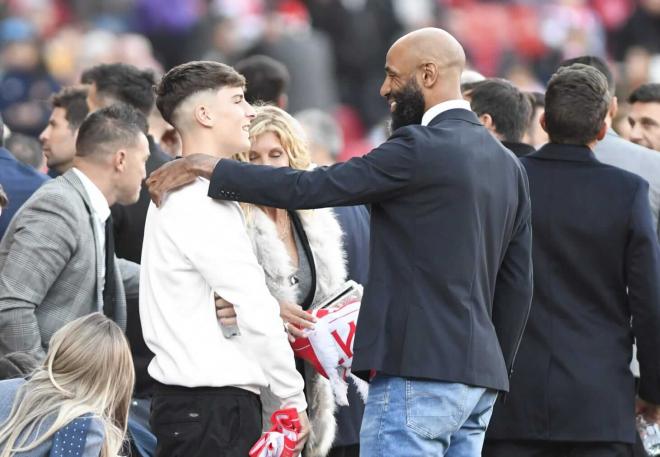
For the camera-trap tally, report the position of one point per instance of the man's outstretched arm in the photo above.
(384, 172)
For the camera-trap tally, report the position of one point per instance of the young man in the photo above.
(58, 139)
(56, 259)
(596, 267)
(207, 400)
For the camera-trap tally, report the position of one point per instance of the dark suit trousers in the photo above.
(204, 421)
(497, 448)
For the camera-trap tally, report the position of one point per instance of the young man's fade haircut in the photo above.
(189, 78)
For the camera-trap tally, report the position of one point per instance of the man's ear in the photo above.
(487, 120)
(542, 121)
(429, 74)
(283, 101)
(119, 160)
(203, 115)
(614, 107)
(602, 131)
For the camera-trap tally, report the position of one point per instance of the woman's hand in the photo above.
(294, 314)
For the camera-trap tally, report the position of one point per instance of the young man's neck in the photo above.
(201, 143)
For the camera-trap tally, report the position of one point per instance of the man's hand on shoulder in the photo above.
(179, 173)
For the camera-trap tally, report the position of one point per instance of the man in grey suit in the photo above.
(614, 150)
(53, 262)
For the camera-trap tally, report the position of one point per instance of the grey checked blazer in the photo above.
(50, 266)
(644, 162)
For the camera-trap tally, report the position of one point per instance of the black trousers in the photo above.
(204, 421)
(496, 448)
(345, 451)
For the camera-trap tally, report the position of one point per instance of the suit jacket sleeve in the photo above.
(130, 277)
(514, 284)
(43, 242)
(643, 276)
(381, 174)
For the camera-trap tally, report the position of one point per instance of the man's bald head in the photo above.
(432, 45)
(422, 69)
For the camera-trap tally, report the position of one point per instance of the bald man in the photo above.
(450, 283)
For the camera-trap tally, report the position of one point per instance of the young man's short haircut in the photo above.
(509, 108)
(189, 78)
(576, 103)
(73, 100)
(266, 79)
(597, 63)
(646, 93)
(123, 83)
(103, 131)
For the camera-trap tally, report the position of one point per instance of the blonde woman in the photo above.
(301, 254)
(88, 373)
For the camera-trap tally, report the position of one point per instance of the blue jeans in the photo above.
(412, 417)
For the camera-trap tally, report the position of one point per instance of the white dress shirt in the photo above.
(101, 212)
(195, 246)
(442, 107)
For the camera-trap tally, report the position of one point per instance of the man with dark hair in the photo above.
(644, 116)
(450, 279)
(535, 135)
(596, 267)
(267, 80)
(614, 150)
(58, 139)
(195, 247)
(57, 260)
(505, 111)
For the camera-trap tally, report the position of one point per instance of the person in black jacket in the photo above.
(504, 110)
(596, 267)
(450, 278)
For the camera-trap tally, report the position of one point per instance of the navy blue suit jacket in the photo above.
(596, 266)
(450, 279)
(19, 182)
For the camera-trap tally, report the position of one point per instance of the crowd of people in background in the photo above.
(554, 168)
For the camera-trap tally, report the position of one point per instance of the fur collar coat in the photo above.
(325, 241)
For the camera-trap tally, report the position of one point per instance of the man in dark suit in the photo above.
(504, 110)
(596, 267)
(450, 277)
(19, 182)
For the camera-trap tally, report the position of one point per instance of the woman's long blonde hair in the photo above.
(272, 119)
(88, 370)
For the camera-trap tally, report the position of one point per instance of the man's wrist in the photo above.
(203, 165)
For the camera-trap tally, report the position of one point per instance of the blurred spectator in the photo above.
(641, 31)
(59, 138)
(644, 116)
(25, 84)
(27, 150)
(361, 32)
(324, 136)
(307, 55)
(267, 80)
(19, 182)
(505, 111)
(536, 135)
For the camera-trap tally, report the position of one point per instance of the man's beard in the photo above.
(409, 108)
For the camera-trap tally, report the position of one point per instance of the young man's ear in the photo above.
(203, 115)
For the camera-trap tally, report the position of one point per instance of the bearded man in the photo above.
(450, 280)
